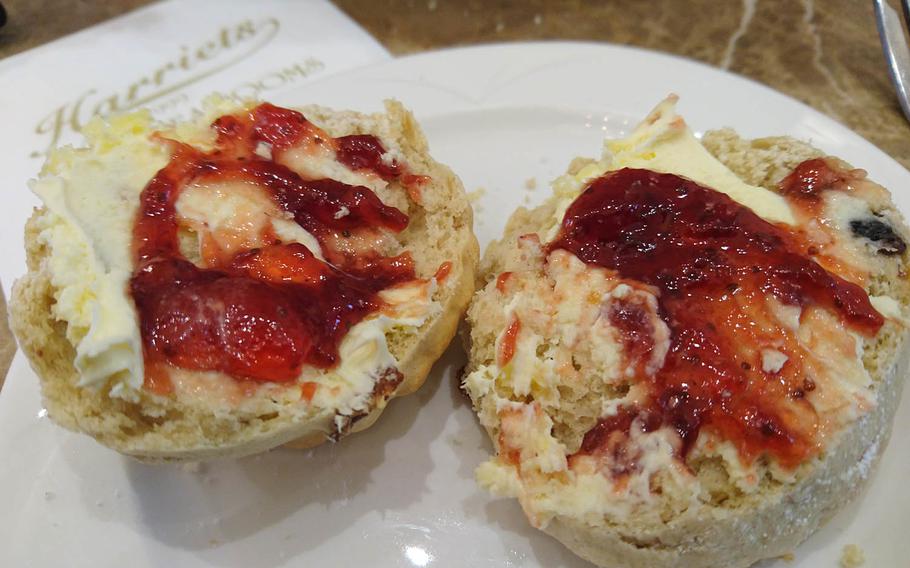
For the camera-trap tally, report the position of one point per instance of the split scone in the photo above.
(691, 354)
(258, 276)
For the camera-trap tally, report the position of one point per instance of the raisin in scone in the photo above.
(691, 354)
(255, 277)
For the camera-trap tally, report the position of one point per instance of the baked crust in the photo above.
(441, 230)
(773, 521)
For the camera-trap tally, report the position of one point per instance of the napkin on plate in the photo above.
(167, 57)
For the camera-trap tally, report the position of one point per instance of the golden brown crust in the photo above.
(183, 433)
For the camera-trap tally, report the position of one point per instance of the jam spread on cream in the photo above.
(364, 152)
(805, 185)
(809, 179)
(630, 317)
(714, 263)
(265, 312)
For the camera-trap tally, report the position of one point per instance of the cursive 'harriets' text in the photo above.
(229, 46)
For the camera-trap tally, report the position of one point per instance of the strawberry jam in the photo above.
(809, 179)
(364, 152)
(635, 330)
(717, 266)
(507, 346)
(262, 313)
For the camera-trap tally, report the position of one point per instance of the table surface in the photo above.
(825, 53)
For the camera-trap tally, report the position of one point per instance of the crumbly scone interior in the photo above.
(568, 369)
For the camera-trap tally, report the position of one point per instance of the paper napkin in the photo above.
(166, 57)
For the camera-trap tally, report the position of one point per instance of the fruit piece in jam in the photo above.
(262, 313)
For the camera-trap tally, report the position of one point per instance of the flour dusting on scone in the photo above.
(665, 352)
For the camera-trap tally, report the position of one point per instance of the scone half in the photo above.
(254, 277)
(691, 355)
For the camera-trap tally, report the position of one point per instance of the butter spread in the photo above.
(663, 142)
(91, 195)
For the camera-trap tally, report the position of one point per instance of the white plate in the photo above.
(402, 493)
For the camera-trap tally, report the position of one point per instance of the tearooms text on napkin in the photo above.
(166, 57)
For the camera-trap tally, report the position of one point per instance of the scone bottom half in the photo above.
(691, 354)
(258, 276)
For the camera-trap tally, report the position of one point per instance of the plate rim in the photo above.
(595, 46)
(498, 48)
